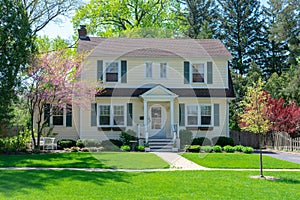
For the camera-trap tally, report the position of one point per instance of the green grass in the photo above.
(121, 160)
(152, 185)
(237, 160)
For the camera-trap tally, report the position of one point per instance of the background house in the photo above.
(154, 87)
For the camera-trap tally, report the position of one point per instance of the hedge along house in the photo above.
(154, 87)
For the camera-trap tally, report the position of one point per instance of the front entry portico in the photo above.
(158, 112)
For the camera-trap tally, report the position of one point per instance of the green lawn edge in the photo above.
(238, 161)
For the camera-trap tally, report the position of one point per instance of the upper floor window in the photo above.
(111, 115)
(198, 73)
(148, 69)
(163, 70)
(112, 71)
(199, 115)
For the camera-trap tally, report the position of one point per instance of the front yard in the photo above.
(238, 160)
(111, 160)
(151, 185)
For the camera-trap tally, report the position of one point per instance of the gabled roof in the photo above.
(154, 47)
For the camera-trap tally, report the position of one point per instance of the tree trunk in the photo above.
(260, 157)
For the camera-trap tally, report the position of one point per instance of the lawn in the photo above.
(120, 160)
(238, 160)
(151, 185)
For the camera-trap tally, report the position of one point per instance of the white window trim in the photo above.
(205, 72)
(111, 122)
(199, 115)
(104, 70)
(159, 71)
(64, 117)
(145, 68)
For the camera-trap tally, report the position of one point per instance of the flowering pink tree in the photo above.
(55, 78)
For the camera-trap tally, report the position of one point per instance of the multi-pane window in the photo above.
(199, 115)
(111, 115)
(104, 115)
(57, 116)
(192, 115)
(198, 73)
(163, 70)
(205, 115)
(119, 116)
(148, 69)
(112, 71)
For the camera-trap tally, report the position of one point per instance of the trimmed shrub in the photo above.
(238, 148)
(222, 141)
(194, 148)
(185, 138)
(206, 149)
(217, 148)
(247, 150)
(125, 148)
(65, 143)
(202, 141)
(127, 136)
(228, 149)
(140, 148)
(79, 143)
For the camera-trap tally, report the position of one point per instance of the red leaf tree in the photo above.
(55, 78)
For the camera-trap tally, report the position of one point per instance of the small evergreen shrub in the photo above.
(222, 141)
(125, 148)
(65, 143)
(206, 149)
(185, 138)
(247, 150)
(228, 149)
(79, 143)
(238, 148)
(127, 136)
(202, 141)
(194, 148)
(140, 148)
(217, 148)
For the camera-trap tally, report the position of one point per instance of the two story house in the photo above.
(154, 87)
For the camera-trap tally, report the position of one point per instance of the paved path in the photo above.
(178, 162)
(288, 156)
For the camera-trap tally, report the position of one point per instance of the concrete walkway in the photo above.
(178, 162)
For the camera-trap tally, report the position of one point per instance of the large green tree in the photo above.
(110, 18)
(200, 16)
(240, 30)
(286, 26)
(40, 13)
(16, 45)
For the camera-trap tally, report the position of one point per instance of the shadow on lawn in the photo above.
(24, 181)
(52, 160)
(288, 180)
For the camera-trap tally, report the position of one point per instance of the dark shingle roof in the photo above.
(154, 47)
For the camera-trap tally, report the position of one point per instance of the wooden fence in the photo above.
(272, 140)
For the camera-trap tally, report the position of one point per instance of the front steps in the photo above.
(161, 145)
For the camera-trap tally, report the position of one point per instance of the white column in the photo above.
(145, 121)
(172, 115)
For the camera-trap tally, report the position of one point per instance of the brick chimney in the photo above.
(82, 32)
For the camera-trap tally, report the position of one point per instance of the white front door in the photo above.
(157, 121)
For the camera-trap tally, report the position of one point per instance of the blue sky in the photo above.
(64, 28)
